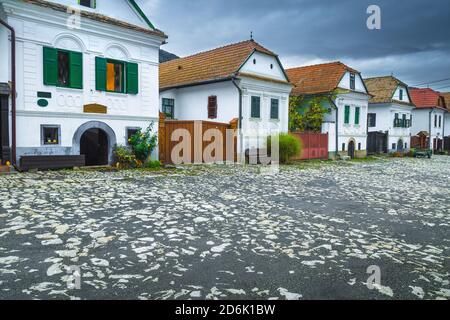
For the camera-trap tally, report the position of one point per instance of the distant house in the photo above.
(446, 96)
(346, 123)
(390, 115)
(87, 78)
(429, 117)
(243, 81)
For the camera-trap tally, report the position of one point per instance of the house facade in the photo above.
(243, 81)
(429, 117)
(390, 115)
(87, 75)
(348, 99)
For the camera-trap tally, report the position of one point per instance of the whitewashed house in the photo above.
(390, 115)
(86, 76)
(348, 99)
(243, 81)
(428, 118)
(446, 96)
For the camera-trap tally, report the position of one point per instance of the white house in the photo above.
(390, 115)
(429, 117)
(86, 75)
(348, 99)
(243, 81)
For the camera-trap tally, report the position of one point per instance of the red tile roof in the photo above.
(216, 64)
(427, 98)
(319, 78)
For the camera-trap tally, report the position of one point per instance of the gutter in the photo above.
(233, 80)
(13, 91)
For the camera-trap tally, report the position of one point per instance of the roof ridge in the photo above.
(317, 64)
(222, 47)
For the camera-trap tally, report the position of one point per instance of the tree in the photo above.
(307, 114)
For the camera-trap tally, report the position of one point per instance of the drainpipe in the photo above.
(13, 90)
(429, 140)
(234, 80)
(336, 128)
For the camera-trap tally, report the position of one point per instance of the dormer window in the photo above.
(352, 81)
(401, 94)
(87, 3)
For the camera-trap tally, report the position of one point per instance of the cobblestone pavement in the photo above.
(229, 233)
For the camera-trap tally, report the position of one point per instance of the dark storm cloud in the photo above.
(413, 43)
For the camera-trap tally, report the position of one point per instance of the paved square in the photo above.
(229, 233)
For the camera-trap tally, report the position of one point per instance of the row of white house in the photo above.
(79, 76)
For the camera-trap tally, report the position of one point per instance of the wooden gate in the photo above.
(447, 143)
(315, 145)
(377, 143)
(170, 132)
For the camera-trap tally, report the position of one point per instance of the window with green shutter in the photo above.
(63, 68)
(274, 108)
(347, 115)
(116, 76)
(256, 107)
(357, 114)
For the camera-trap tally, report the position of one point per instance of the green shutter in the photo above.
(76, 70)
(255, 107)
(132, 78)
(347, 114)
(357, 112)
(100, 74)
(50, 66)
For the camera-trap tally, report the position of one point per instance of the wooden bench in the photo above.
(51, 162)
(423, 154)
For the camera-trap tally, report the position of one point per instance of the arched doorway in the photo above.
(351, 149)
(400, 145)
(94, 146)
(94, 139)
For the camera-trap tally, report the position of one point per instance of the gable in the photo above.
(359, 83)
(264, 65)
(405, 96)
(124, 10)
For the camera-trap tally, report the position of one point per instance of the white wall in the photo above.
(352, 131)
(191, 103)
(263, 65)
(359, 84)
(421, 122)
(447, 125)
(118, 9)
(405, 97)
(385, 121)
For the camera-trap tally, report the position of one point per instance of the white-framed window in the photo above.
(50, 135)
(352, 81)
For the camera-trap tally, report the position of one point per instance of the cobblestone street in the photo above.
(224, 232)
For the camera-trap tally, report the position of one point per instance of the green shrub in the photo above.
(124, 157)
(152, 165)
(143, 143)
(289, 146)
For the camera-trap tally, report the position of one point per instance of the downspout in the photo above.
(233, 80)
(13, 90)
(336, 128)
(429, 139)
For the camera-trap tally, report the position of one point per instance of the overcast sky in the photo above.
(413, 43)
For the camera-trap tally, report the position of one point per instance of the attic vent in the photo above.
(254, 61)
(271, 66)
(180, 67)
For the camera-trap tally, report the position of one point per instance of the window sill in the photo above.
(50, 145)
(274, 120)
(255, 119)
(112, 93)
(59, 88)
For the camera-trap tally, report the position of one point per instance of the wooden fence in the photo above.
(315, 145)
(170, 137)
